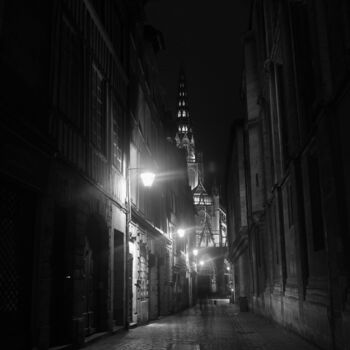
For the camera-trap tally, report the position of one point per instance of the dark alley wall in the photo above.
(295, 89)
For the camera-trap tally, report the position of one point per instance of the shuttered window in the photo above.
(98, 118)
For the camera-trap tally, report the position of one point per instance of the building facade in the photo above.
(288, 196)
(81, 115)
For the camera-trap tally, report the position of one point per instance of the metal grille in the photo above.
(9, 279)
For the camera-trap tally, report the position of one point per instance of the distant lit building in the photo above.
(210, 218)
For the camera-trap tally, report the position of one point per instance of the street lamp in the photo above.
(195, 252)
(147, 178)
(181, 232)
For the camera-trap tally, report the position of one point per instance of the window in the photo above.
(99, 7)
(70, 92)
(179, 113)
(184, 113)
(316, 203)
(117, 31)
(98, 118)
(117, 136)
(306, 56)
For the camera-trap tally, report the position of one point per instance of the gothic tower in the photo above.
(184, 136)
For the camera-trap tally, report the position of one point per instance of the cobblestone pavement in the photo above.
(219, 327)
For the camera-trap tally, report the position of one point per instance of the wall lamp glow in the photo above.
(181, 232)
(195, 252)
(201, 263)
(147, 178)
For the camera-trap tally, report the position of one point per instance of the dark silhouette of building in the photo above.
(287, 188)
(81, 115)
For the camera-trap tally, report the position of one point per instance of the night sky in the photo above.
(206, 37)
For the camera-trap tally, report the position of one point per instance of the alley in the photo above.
(156, 153)
(219, 327)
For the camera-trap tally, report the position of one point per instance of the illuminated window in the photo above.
(179, 113)
(179, 103)
(184, 113)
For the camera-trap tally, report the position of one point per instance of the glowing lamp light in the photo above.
(195, 252)
(181, 232)
(147, 178)
(228, 268)
(201, 263)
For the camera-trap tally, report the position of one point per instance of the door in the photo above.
(153, 286)
(96, 272)
(90, 298)
(118, 305)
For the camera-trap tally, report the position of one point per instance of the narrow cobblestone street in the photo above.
(219, 327)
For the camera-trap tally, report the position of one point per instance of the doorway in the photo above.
(95, 293)
(118, 305)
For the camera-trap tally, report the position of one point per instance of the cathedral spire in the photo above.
(184, 136)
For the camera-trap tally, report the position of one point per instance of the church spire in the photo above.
(184, 136)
